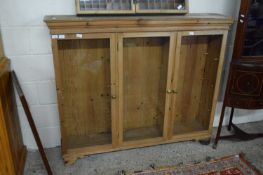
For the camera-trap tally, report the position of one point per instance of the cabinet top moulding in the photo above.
(73, 24)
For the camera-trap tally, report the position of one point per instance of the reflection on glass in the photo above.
(162, 4)
(253, 45)
(105, 5)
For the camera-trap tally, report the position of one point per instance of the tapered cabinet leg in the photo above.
(205, 141)
(220, 126)
(231, 119)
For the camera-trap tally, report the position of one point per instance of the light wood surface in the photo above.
(192, 17)
(86, 86)
(74, 24)
(145, 64)
(127, 82)
(13, 151)
(198, 61)
(6, 161)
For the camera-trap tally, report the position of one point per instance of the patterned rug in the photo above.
(232, 165)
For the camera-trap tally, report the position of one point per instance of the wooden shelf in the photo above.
(142, 133)
(188, 127)
(87, 141)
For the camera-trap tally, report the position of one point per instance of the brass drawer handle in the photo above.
(113, 97)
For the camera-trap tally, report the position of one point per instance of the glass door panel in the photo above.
(253, 43)
(198, 63)
(145, 69)
(161, 6)
(86, 88)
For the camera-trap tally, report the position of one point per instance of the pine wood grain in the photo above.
(154, 72)
(145, 76)
(86, 86)
(198, 61)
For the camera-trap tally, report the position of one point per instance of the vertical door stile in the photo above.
(175, 81)
(114, 87)
(59, 89)
(120, 87)
(169, 96)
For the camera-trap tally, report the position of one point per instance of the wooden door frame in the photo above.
(114, 79)
(224, 34)
(172, 37)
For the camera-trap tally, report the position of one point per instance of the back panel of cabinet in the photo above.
(145, 61)
(198, 66)
(86, 102)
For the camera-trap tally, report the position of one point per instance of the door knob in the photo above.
(169, 91)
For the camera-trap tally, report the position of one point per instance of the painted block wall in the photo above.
(27, 43)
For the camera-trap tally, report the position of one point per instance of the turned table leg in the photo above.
(231, 119)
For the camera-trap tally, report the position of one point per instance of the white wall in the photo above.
(27, 44)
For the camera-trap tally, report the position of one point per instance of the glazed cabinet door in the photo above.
(162, 6)
(86, 84)
(105, 6)
(198, 66)
(145, 73)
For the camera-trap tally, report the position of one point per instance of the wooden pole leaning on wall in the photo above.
(31, 122)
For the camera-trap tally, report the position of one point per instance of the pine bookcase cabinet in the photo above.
(128, 82)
